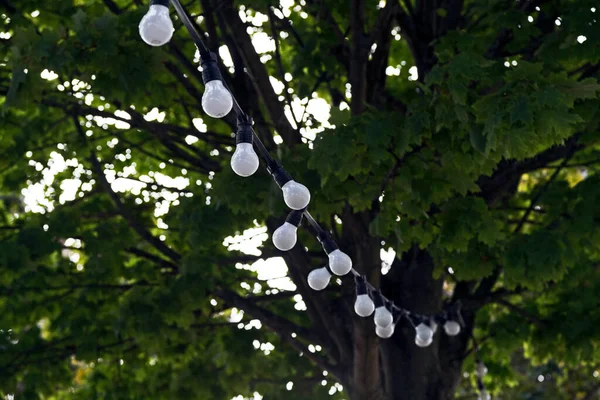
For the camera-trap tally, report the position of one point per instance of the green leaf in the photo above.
(478, 140)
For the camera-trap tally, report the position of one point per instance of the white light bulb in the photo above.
(423, 343)
(295, 195)
(484, 395)
(383, 317)
(385, 332)
(481, 370)
(244, 161)
(319, 278)
(364, 306)
(216, 100)
(452, 328)
(339, 262)
(424, 332)
(156, 28)
(433, 326)
(284, 238)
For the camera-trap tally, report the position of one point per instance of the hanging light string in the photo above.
(156, 29)
(480, 372)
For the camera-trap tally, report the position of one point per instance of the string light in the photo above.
(156, 28)
(452, 328)
(284, 237)
(363, 306)
(383, 316)
(388, 331)
(339, 262)
(319, 278)
(385, 332)
(217, 101)
(481, 371)
(424, 335)
(295, 195)
(244, 161)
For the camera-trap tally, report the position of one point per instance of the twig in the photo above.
(541, 192)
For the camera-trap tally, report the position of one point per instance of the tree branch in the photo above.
(358, 55)
(258, 74)
(156, 259)
(493, 187)
(540, 193)
(278, 324)
(534, 319)
(125, 213)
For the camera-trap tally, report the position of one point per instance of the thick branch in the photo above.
(259, 75)
(541, 192)
(493, 187)
(278, 324)
(358, 53)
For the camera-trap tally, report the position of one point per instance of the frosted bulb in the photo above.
(424, 332)
(295, 195)
(284, 238)
(481, 370)
(339, 262)
(423, 343)
(244, 161)
(156, 28)
(216, 100)
(364, 305)
(319, 278)
(383, 317)
(484, 395)
(452, 328)
(385, 332)
(433, 326)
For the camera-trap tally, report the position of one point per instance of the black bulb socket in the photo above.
(210, 69)
(165, 3)
(378, 300)
(295, 217)
(279, 174)
(480, 385)
(244, 132)
(361, 285)
(328, 244)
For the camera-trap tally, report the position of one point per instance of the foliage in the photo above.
(120, 276)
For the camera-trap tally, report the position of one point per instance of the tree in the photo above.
(462, 139)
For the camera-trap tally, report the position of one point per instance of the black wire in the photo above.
(190, 27)
(270, 161)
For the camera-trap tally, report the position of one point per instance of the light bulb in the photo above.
(433, 326)
(284, 238)
(383, 317)
(216, 100)
(481, 370)
(156, 28)
(452, 328)
(424, 332)
(319, 278)
(484, 395)
(423, 342)
(364, 306)
(295, 195)
(339, 262)
(385, 332)
(244, 161)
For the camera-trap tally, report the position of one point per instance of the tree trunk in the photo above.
(396, 368)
